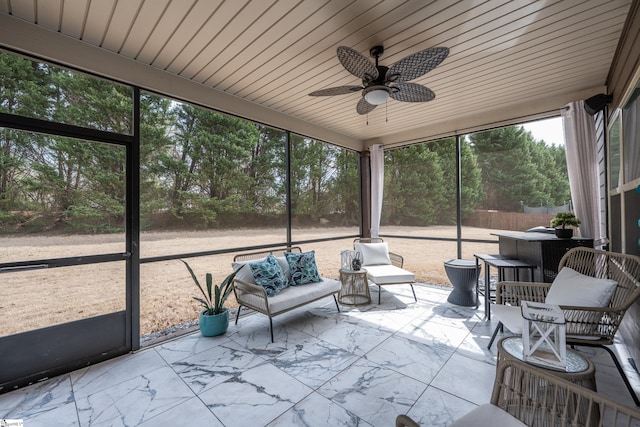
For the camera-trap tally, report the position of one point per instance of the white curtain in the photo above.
(377, 186)
(582, 166)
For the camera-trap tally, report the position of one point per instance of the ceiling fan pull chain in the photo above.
(367, 119)
(386, 112)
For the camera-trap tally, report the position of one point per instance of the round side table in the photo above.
(463, 275)
(580, 370)
(355, 287)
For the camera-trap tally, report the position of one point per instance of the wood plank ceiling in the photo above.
(509, 59)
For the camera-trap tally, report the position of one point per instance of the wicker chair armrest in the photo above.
(249, 288)
(561, 403)
(602, 322)
(251, 295)
(513, 292)
(396, 260)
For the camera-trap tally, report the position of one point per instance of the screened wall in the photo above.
(508, 181)
(94, 172)
(213, 185)
(103, 189)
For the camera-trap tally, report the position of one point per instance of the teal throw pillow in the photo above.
(303, 268)
(269, 275)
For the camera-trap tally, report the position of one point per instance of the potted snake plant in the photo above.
(214, 318)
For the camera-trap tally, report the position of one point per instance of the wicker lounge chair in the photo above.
(390, 273)
(585, 326)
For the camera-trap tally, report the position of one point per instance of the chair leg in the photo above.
(238, 314)
(336, 301)
(271, 328)
(623, 375)
(495, 332)
(412, 290)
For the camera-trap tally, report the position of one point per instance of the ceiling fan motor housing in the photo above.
(380, 80)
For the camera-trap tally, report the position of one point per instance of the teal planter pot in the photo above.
(214, 325)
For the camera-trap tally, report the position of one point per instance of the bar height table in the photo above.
(502, 263)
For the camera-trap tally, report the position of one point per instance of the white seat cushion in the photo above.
(509, 315)
(294, 296)
(488, 415)
(388, 274)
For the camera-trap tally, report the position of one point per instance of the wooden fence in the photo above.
(514, 221)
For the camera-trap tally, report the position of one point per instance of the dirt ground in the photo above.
(47, 296)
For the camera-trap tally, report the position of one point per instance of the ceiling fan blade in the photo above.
(340, 90)
(416, 65)
(412, 92)
(357, 64)
(364, 107)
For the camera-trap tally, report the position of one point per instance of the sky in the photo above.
(549, 130)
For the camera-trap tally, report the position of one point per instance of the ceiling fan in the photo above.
(380, 82)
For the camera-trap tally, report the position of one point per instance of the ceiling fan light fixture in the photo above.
(376, 95)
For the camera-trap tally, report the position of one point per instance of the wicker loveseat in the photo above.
(249, 294)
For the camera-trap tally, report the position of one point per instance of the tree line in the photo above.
(200, 168)
(501, 169)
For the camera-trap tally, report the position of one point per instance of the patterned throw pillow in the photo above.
(269, 275)
(303, 268)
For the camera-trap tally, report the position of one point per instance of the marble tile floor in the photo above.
(360, 367)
